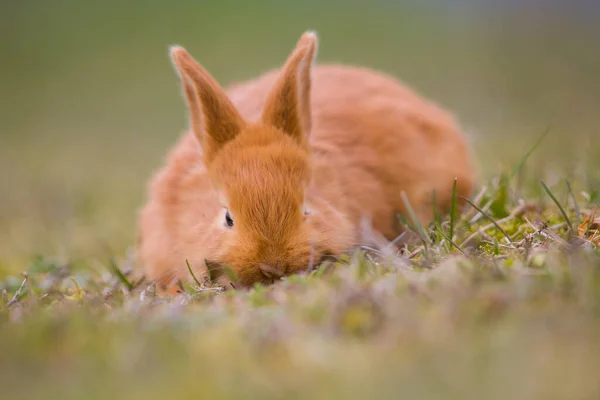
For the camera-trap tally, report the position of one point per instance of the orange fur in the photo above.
(297, 157)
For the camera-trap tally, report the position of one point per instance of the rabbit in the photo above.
(277, 173)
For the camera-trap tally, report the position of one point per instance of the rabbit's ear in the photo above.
(288, 105)
(214, 119)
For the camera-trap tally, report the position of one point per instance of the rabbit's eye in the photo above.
(228, 220)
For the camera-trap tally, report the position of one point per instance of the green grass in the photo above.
(510, 307)
(90, 104)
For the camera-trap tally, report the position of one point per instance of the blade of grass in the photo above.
(192, 272)
(499, 204)
(230, 273)
(209, 270)
(441, 230)
(417, 224)
(523, 160)
(321, 269)
(120, 275)
(489, 218)
(398, 239)
(575, 204)
(453, 210)
(560, 207)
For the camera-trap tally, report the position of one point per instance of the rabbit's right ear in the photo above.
(213, 117)
(288, 105)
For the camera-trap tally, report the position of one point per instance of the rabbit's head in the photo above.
(260, 170)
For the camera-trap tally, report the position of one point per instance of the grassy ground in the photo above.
(502, 299)
(89, 104)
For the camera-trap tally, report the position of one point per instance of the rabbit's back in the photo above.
(372, 137)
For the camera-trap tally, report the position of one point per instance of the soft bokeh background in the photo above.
(89, 103)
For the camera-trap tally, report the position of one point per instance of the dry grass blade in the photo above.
(17, 295)
(560, 207)
(489, 219)
(457, 247)
(481, 231)
(590, 222)
(465, 217)
(485, 207)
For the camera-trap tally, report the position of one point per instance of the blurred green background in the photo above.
(89, 102)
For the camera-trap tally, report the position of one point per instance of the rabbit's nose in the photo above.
(269, 271)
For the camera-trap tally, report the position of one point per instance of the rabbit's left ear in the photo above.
(214, 119)
(288, 105)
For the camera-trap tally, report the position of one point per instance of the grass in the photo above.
(464, 312)
(500, 299)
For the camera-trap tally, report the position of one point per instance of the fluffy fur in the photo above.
(294, 160)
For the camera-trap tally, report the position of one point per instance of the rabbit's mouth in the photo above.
(271, 272)
(221, 273)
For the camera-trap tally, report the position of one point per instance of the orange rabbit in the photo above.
(278, 172)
